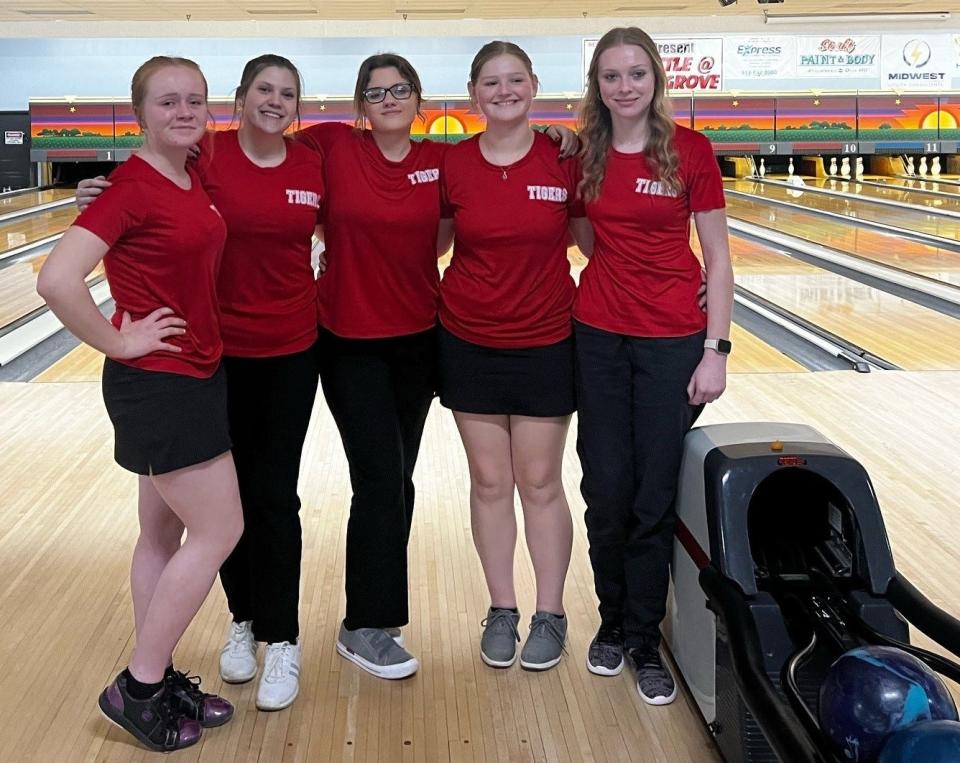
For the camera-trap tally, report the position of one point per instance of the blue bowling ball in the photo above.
(870, 692)
(926, 742)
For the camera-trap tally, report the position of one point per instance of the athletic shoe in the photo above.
(545, 645)
(498, 644)
(238, 658)
(187, 700)
(396, 634)
(374, 651)
(605, 656)
(152, 721)
(280, 682)
(655, 682)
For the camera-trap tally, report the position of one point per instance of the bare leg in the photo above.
(537, 449)
(160, 533)
(486, 440)
(206, 499)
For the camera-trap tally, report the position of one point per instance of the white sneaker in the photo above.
(280, 682)
(238, 658)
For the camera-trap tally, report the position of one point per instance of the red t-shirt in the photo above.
(509, 284)
(165, 245)
(643, 277)
(380, 223)
(266, 287)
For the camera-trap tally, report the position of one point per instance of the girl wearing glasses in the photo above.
(506, 355)
(378, 310)
(268, 190)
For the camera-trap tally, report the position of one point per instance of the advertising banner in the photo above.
(838, 56)
(917, 62)
(692, 63)
(759, 58)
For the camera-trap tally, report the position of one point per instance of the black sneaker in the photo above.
(187, 700)
(605, 656)
(152, 721)
(655, 682)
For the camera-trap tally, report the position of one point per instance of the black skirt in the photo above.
(531, 381)
(162, 421)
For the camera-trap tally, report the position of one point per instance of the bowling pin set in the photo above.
(844, 169)
(933, 169)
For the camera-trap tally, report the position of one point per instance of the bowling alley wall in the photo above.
(749, 93)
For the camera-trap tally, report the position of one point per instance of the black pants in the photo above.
(379, 392)
(269, 401)
(632, 417)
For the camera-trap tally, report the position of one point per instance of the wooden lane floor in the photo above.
(849, 207)
(885, 248)
(33, 199)
(917, 184)
(913, 196)
(18, 288)
(25, 230)
(70, 522)
(81, 364)
(909, 335)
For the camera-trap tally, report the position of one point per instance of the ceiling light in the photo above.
(856, 18)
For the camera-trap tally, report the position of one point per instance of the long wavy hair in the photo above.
(596, 129)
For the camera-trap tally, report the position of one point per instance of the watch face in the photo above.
(724, 346)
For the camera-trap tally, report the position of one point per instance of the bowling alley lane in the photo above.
(18, 288)
(29, 199)
(884, 248)
(908, 219)
(938, 186)
(24, 230)
(911, 336)
(914, 196)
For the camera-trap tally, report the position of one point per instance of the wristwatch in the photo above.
(723, 346)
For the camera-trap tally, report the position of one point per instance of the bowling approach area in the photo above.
(65, 602)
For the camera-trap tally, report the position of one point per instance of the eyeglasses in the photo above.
(401, 91)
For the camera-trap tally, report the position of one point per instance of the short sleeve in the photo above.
(575, 205)
(704, 184)
(118, 210)
(321, 137)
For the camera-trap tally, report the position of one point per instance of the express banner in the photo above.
(838, 56)
(759, 57)
(917, 62)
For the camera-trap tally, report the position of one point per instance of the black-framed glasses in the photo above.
(401, 91)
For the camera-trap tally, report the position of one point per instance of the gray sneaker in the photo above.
(544, 645)
(498, 645)
(374, 651)
(605, 656)
(655, 683)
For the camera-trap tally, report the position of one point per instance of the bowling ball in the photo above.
(927, 742)
(870, 692)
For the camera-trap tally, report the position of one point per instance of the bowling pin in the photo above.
(845, 168)
(923, 166)
(910, 167)
(790, 168)
(763, 167)
(833, 165)
(858, 171)
(935, 167)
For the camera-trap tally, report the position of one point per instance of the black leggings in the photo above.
(379, 392)
(269, 401)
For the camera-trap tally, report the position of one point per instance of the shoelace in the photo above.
(238, 639)
(190, 685)
(504, 616)
(552, 629)
(275, 667)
